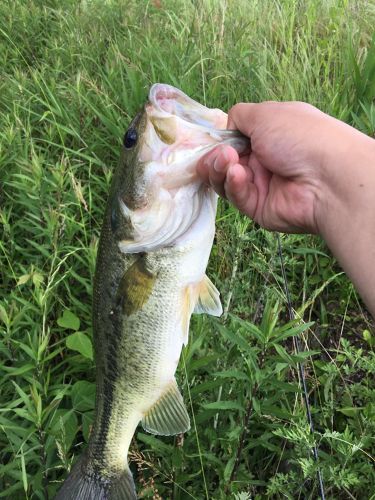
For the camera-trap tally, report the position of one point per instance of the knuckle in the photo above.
(238, 109)
(303, 106)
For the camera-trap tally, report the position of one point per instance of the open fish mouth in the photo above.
(179, 131)
(167, 99)
(183, 130)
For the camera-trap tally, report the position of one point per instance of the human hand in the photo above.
(306, 172)
(283, 180)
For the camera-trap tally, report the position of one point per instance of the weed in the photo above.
(73, 75)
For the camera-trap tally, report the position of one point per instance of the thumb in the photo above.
(244, 117)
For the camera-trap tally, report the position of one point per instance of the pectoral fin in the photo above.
(199, 298)
(168, 416)
(135, 287)
(208, 299)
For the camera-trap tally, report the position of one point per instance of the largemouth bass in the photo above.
(150, 277)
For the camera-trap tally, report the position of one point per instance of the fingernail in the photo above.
(209, 160)
(221, 161)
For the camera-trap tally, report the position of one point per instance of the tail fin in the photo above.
(81, 485)
(123, 488)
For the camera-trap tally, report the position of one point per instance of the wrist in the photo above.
(346, 211)
(347, 180)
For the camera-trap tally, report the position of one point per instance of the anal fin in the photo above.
(168, 416)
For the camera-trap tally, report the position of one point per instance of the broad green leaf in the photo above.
(205, 386)
(223, 405)
(8, 492)
(23, 413)
(285, 356)
(250, 327)
(291, 332)
(12, 371)
(25, 398)
(23, 279)
(87, 420)
(283, 386)
(80, 342)
(275, 411)
(228, 468)
(83, 395)
(231, 374)
(280, 367)
(154, 443)
(27, 349)
(307, 251)
(256, 405)
(69, 320)
(37, 279)
(351, 411)
(368, 337)
(269, 319)
(3, 315)
(64, 425)
(177, 457)
(236, 338)
(203, 361)
(23, 469)
(302, 355)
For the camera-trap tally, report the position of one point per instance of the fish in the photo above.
(154, 246)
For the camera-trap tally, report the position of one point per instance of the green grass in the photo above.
(72, 76)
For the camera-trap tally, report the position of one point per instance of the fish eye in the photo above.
(130, 138)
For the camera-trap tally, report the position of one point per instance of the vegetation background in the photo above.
(73, 74)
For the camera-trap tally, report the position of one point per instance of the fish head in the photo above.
(157, 193)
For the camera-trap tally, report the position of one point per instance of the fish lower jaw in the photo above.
(164, 222)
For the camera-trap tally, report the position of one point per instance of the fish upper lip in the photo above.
(169, 92)
(203, 117)
(185, 107)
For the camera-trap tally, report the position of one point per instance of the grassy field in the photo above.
(73, 74)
